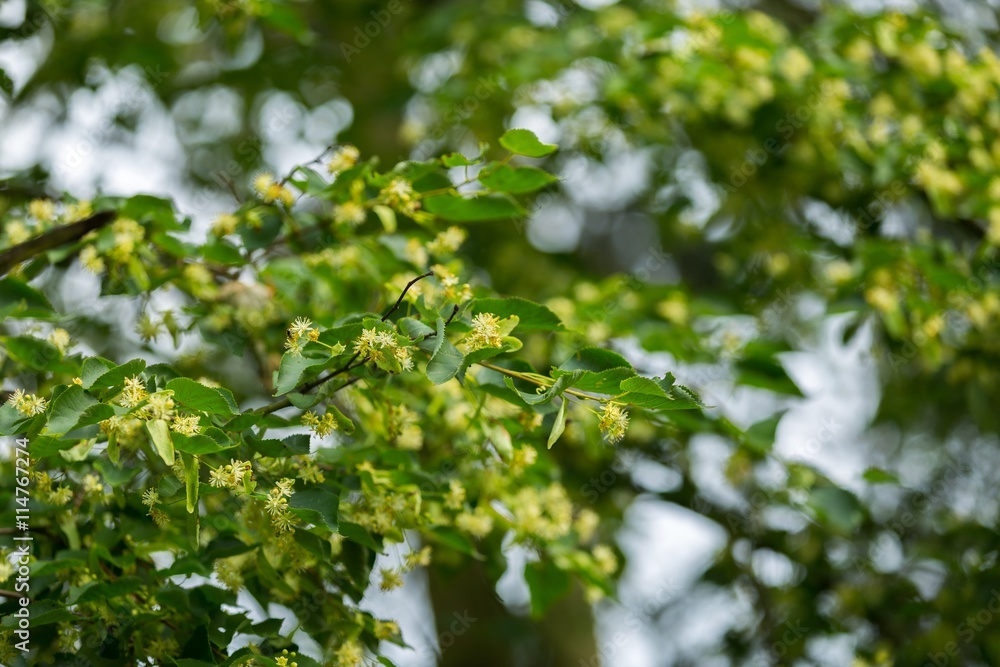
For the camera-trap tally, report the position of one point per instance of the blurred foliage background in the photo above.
(793, 206)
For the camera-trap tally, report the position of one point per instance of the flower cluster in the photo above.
(270, 190)
(343, 159)
(230, 475)
(485, 332)
(225, 224)
(128, 234)
(384, 349)
(28, 405)
(321, 426)
(276, 506)
(134, 392)
(403, 428)
(349, 214)
(478, 522)
(447, 241)
(299, 333)
(614, 422)
(454, 290)
(399, 195)
(150, 498)
(544, 513)
(186, 425)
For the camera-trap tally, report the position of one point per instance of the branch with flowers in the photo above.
(299, 474)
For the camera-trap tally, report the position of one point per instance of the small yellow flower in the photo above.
(351, 214)
(343, 159)
(186, 425)
(605, 558)
(17, 232)
(447, 241)
(478, 522)
(321, 426)
(225, 224)
(150, 497)
(455, 498)
(485, 332)
(43, 210)
(391, 579)
(28, 405)
(614, 422)
(134, 392)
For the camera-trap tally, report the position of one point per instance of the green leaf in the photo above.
(116, 376)
(35, 353)
(320, 500)
(456, 208)
(70, 407)
(388, 218)
(159, 433)
(643, 392)
(196, 396)
(191, 465)
(92, 369)
(18, 299)
(760, 436)
(557, 389)
(446, 359)
(560, 423)
(201, 443)
(837, 508)
(291, 369)
(525, 142)
(116, 476)
(457, 160)
(879, 476)
(516, 180)
(532, 316)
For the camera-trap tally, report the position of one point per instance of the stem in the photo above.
(53, 239)
(350, 365)
(534, 379)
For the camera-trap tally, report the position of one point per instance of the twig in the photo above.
(349, 366)
(403, 294)
(11, 594)
(53, 239)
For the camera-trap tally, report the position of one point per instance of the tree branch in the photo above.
(349, 366)
(53, 239)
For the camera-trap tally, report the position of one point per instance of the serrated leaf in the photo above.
(67, 410)
(446, 359)
(320, 500)
(196, 396)
(116, 376)
(292, 368)
(531, 316)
